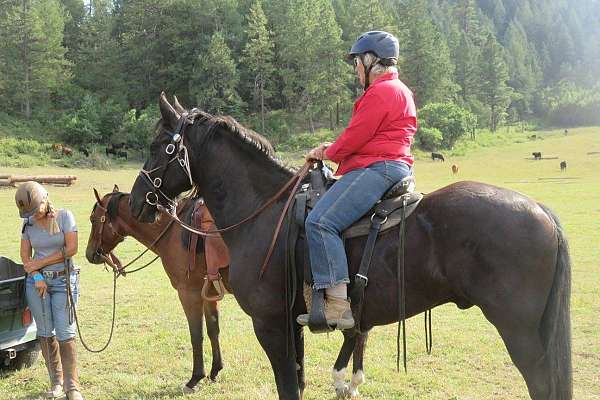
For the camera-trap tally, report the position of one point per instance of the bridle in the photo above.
(109, 257)
(178, 152)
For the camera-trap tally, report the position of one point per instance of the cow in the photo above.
(84, 151)
(437, 156)
(57, 147)
(563, 166)
(454, 169)
(110, 150)
(122, 154)
(537, 155)
(67, 151)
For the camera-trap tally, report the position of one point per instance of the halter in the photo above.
(179, 153)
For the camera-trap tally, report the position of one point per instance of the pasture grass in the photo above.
(150, 356)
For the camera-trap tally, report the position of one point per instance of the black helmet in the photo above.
(383, 44)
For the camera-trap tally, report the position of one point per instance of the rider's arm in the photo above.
(362, 127)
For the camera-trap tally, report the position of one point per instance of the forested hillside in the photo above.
(91, 70)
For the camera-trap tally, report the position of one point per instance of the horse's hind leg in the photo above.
(527, 353)
(211, 311)
(358, 374)
(192, 303)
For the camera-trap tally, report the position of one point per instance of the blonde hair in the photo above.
(52, 215)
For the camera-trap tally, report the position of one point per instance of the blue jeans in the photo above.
(50, 313)
(344, 203)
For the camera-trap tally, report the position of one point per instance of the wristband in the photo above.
(38, 277)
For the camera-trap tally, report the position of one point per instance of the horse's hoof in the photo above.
(353, 393)
(188, 390)
(342, 391)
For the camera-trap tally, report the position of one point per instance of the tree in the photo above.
(496, 92)
(217, 78)
(451, 120)
(258, 57)
(426, 59)
(31, 52)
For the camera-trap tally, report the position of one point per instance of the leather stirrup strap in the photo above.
(193, 245)
(317, 322)
(361, 279)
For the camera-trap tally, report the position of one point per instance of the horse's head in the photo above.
(166, 173)
(104, 237)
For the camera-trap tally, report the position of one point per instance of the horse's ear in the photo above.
(168, 113)
(116, 188)
(97, 196)
(178, 107)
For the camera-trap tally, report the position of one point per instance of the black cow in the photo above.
(537, 155)
(84, 151)
(437, 156)
(563, 166)
(110, 150)
(122, 154)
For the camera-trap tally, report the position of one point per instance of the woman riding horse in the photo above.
(373, 153)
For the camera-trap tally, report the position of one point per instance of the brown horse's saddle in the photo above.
(216, 252)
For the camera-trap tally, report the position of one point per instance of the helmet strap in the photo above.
(368, 69)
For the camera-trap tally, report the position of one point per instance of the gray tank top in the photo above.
(43, 243)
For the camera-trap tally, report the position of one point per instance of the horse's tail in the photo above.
(555, 328)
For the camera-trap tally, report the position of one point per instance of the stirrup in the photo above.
(317, 323)
(219, 287)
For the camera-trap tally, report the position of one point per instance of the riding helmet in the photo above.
(383, 44)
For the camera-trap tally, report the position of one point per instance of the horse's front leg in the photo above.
(340, 367)
(211, 311)
(299, 346)
(358, 374)
(271, 334)
(192, 303)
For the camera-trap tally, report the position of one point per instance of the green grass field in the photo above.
(150, 357)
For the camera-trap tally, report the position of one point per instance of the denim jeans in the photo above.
(343, 204)
(50, 313)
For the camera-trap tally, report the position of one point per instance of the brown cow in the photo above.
(455, 169)
(67, 151)
(57, 147)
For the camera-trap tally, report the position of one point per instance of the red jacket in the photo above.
(382, 127)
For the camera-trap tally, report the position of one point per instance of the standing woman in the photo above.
(373, 153)
(49, 235)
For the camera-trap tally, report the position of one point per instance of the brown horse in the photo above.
(468, 243)
(118, 223)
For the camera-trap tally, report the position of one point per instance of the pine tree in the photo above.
(31, 52)
(496, 92)
(216, 79)
(311, 52)
(426, 58)
(258, 56)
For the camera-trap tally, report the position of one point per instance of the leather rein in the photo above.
(178, 152)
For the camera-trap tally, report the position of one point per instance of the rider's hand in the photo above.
(41, 288)
(318, 153)
(31, 266)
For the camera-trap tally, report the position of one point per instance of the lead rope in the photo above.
(73, 310)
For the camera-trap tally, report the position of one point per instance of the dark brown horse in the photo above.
(171, 247)
(468, 243)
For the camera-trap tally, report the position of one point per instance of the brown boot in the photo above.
(337, 313)
(68, 355)
(50, 352)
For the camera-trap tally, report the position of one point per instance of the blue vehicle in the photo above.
(18, 342)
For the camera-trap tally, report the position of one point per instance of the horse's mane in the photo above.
(251, 139)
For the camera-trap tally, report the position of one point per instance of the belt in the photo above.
(55, 274)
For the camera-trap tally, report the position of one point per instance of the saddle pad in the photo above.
(362, 226)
